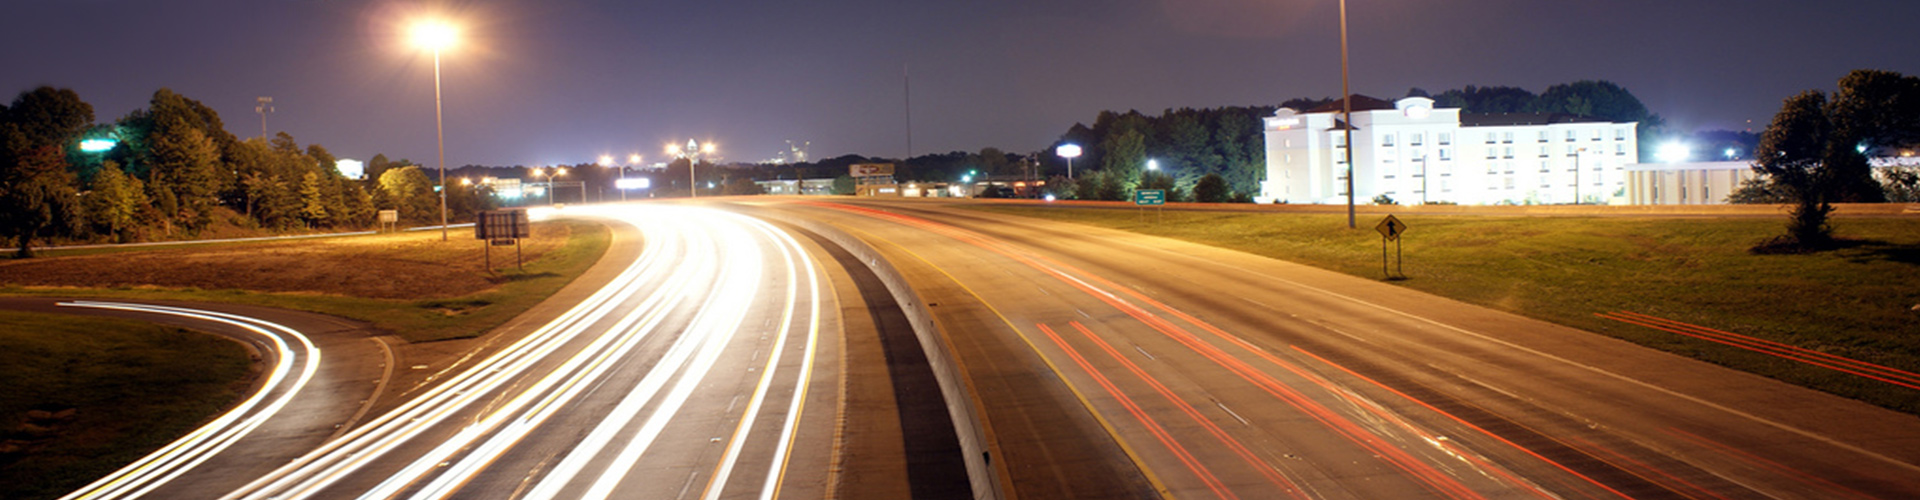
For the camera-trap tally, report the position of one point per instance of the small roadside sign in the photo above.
(1391, 228)
(1150, 197)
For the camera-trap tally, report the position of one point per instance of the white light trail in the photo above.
(182, 455)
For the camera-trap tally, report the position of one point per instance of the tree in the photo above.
(1211, 188)
(114, 201)
(36, 195)
(1125, 155)
(409, 191)
(185, 164)
(1793, 153)
(844, 185)
(313, 201)
(38, 132)
(1874, 112)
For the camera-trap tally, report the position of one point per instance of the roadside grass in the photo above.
(410, 284)
(1856, 301)
(131, 387)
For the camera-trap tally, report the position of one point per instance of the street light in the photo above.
(538, 173)
(1153, 165)
(437, 36)
(1068, 151)
(692, 153)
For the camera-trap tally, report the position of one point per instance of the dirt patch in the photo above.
(391, 266)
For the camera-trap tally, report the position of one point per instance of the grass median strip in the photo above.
(87, 395)
(1856, 302)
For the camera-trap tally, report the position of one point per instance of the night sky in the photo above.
(564, 81)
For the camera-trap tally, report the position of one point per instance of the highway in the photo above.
(693, 374)
(1109, 365)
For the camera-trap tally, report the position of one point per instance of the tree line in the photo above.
(1818, 151)
(172, 171)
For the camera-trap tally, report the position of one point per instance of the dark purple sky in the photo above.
(564, 81)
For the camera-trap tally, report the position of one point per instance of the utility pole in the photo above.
(1346, 107)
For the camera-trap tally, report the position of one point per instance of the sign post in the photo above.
(1155, 197)
(389, 220)
(1390, 229)
(501, 228)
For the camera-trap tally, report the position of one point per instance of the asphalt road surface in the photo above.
(1109, 364)
(694, 374)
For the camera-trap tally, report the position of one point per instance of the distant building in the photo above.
(1709, 183)
(1689, 183)
(810, 187)
(1415, 153)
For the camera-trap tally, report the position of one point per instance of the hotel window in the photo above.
(1570, 151)
(1446, 155)
(1596, 134)
(1619, 134)
(1507, 153)
(1620, 149)
(1492, 137)
(1545, 151)
(1493, 152)
(1286, 143)
(1507, 138)
(1543, 167)
(1446, 138)
(1543, 136)
(1386, 140)
(1415, 139)
(1340, 140)
(1569, 135)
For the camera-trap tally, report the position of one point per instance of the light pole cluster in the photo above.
(692, 153)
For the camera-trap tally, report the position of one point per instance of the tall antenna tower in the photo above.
(264, 107)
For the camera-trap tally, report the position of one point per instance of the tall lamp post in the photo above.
(437, 36)
(692, 153)
(1346, 108)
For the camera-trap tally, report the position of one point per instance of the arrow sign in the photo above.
(1391, 228)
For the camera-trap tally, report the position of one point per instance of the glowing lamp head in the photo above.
(96, 145)
(1674, 152)
(606, 160)
(1153, 164)
(435, 35)
(706, 148)
(1067, 151)
(633, 158)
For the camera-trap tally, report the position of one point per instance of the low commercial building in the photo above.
(1691, 183)
(1414, 153)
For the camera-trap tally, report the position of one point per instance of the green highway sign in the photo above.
(1150, 197)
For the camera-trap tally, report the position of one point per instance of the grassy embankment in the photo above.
(134, 386)
(1855, 302)
(411, 284)
(105, 391)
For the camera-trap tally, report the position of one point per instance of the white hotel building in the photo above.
(1415, 153)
